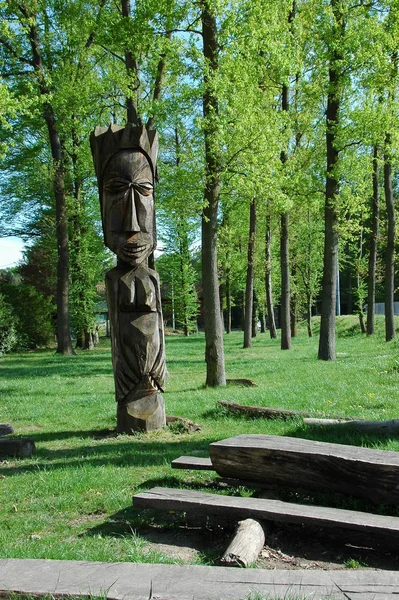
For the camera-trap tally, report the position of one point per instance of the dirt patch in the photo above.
(287, 547)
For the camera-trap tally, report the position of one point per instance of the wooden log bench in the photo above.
(306, 464)
(6, 429)
(195, 463)
(202, 503)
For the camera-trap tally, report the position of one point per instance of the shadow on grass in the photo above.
(123, 453)
(334, 434)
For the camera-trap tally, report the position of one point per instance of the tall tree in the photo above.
(214, 351)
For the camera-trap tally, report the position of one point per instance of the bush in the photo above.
(8, 336)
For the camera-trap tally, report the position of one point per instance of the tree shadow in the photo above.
(123, 452)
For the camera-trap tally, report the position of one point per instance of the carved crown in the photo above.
(105, 142)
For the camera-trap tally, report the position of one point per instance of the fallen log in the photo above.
(6, 429)
(186, 424)
(236, 507)
(17, 447)
(260, 411)
(310, 465)
(246, 544)
(378, 427)
(243, 382)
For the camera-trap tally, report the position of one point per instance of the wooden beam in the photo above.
(260, 411)
(306, 464)
(17, 447)
(202, 503)
(196, 463)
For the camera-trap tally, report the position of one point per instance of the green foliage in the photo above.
(8, 336)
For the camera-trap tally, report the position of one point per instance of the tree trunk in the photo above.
(228, 301)
(214, 352)
(132, 74)
(285, 301)
(268, 279)
(262, 319)
(64, 342)
(390, 251)
(88, 344)
(285, 285)
(294, 308)
(309, 315)
(249, 288)
(329, 282)
(373, 246)
(255, 315)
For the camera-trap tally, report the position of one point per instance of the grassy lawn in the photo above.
(72, 500)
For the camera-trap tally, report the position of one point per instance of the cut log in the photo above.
(6, 429)
(201, 503)
(246, 544)
(378, 427)
(299, 463)
(260, 411)
(187, 425)
(243, 382)
(195, 463)
(17, 447)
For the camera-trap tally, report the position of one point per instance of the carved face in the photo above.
(128, 206)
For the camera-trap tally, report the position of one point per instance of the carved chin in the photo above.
(134, 254)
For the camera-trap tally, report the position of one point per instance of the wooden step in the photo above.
(203, 503)
(306, 464)
(193, 462)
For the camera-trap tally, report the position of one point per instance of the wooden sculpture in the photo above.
(125, 163)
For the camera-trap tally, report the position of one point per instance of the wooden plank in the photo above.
(195, 463)
(260, 411)
(364, 472)
(17, 447)
(135, 581)
(269, 510)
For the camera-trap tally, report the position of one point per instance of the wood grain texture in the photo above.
(260, 411)
(269, 510)
(134, 581)
(196, 463)
(246, 545)
(295, 462)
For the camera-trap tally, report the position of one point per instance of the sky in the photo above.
(10, 251)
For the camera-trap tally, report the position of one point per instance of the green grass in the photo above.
(72, 500)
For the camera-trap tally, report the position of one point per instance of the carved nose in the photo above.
(131, 223)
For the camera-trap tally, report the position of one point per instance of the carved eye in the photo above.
(144, 188)
(116, 185)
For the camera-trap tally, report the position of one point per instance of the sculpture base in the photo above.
(126, 423)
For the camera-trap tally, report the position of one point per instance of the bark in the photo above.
(375, 219)
(330, 259)
(255, 316)
(214, 352)
(268, 280)
(309, 315)
(249, 288)
(390, 251)
(158, 85)
(262, 320)
(64, 342)
(285, 285)
(294, 309)
(360, 304)
(228, 300)
(246, 545)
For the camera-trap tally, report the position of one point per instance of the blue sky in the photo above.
(10, 251)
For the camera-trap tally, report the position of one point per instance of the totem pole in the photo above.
(125, 162)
